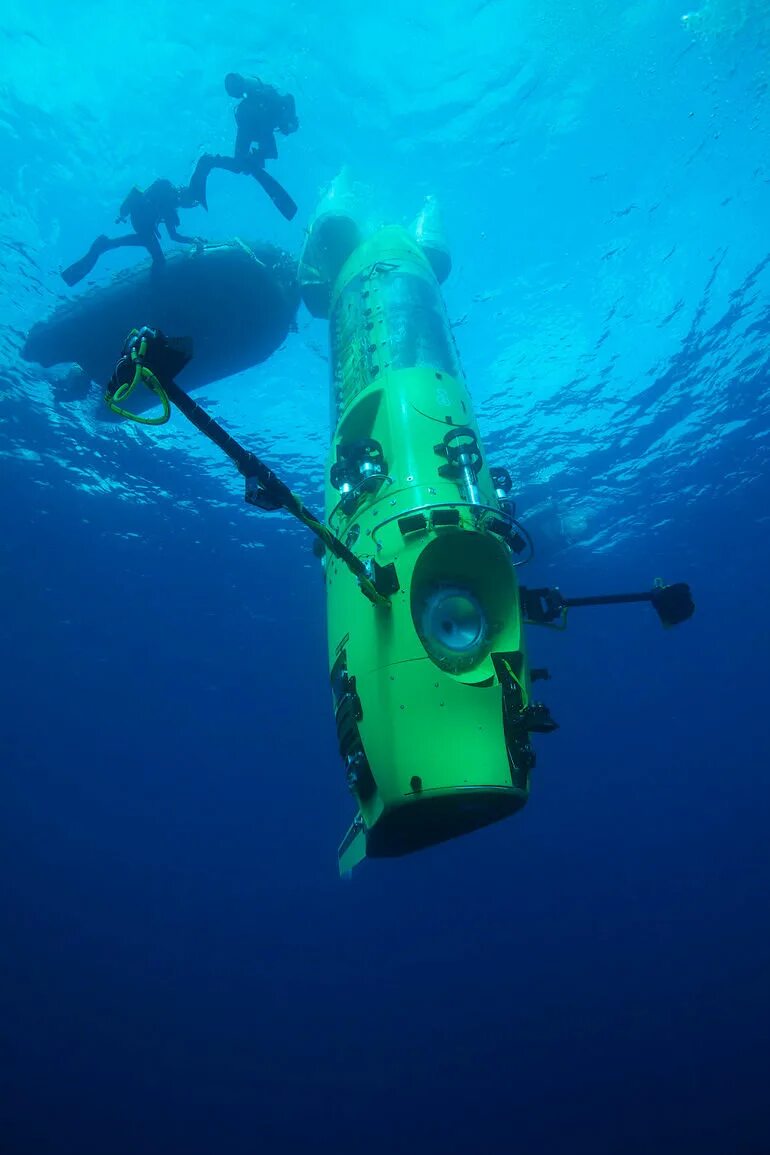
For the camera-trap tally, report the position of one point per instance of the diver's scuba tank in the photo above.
(431, 693)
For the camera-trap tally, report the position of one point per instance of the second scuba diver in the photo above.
(147, 211)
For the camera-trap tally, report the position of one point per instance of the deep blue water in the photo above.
(181, 968)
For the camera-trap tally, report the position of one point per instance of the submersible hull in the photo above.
(431, 692)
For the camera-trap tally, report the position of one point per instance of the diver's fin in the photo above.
(197, 185)
(353, 847)
(277, 193)
(75, 272)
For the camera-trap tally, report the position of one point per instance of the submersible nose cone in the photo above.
(453, 623)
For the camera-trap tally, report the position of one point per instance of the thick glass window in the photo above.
(396, 320)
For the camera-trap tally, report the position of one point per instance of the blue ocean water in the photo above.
(182, 970)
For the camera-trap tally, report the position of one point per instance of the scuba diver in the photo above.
(147, 211)
(262, 112)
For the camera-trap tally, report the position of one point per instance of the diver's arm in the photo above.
(180, 238)
(171, 221)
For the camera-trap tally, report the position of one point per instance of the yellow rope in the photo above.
(141, 373)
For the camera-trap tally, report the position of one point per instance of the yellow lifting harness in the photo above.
(147, 377)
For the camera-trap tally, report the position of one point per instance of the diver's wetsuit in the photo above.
(261, 113)
(146, 211)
